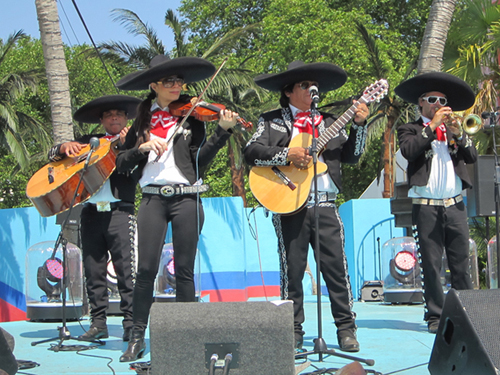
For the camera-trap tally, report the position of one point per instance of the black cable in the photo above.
(95, 47)
(69, 22)
(213, 360)
(227, 363)
(100, 357)
(142, 368)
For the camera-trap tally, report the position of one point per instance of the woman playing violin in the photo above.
(166, 159)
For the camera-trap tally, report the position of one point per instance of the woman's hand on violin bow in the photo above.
(157, 145)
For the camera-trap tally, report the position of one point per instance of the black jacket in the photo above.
(415, 144)
(269, 144)
(189, 147)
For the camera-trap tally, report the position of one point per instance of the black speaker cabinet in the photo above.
(8, 362)
(467, 341)
(481, 198)
(258, 335)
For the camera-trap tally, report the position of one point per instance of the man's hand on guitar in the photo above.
(123, 134)
(299, 156)
(71, 148)
(361, 113)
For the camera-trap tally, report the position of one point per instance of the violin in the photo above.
(203, 112)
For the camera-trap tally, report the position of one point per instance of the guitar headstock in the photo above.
(375, 91)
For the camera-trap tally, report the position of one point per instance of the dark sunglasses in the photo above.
(170, 82)
(306, 84)
(434, 99)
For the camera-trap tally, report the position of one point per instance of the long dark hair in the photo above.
(143, 120)
(285, 100)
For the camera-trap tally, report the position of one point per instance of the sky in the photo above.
(21, 14)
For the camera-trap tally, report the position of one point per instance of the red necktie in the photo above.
(304, 124)
(109, 137)
(161, 121)
(440, 132)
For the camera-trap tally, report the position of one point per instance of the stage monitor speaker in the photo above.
(481, 197)
(258, 335)
(8, 362)
(467, 338)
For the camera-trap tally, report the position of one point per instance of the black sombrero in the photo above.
(459, 94)
(192, 69)
(329, 76)
(92, 111)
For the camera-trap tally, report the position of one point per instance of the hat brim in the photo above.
(459, 94)
(92, 111)
(329, 77)
(192, 69)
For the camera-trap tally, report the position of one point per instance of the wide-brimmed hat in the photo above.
(192, 69)
(459, 94)
(329, 76)
(92, 111)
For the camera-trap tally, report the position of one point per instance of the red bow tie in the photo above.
(440, 132)
(161, 121)
(304, 124)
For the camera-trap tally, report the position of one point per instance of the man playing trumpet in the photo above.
(437, 154)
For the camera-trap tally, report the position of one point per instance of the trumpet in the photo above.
(469, 124)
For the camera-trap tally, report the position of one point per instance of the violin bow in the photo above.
(198, 100)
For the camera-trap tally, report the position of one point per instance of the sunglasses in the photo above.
(170, 82)
(306, 84)
(434, 99)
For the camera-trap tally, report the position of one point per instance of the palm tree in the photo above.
(230, 87)
(56, 70)
(15, 126)
(436, 32)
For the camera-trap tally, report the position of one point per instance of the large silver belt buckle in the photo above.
(103, 206)
(449, 202)
(167, 191)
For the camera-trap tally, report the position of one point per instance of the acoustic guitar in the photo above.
(285, 189)
(51, 189)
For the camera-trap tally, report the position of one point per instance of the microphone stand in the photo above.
(320, 346)
(493, 124)
(64, 333)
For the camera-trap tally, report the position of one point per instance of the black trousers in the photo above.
(437, 228)
(112, 231)
(155, 212)
(295, 233)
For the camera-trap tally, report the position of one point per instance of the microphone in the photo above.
(313, 91)
(94, 143)
(486, 115)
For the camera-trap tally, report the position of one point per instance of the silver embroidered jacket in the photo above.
(269, 144)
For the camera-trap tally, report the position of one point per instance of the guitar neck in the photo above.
(335, 128)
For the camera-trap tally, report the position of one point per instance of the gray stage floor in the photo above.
(394, 336)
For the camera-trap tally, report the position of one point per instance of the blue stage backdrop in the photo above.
(237, 250)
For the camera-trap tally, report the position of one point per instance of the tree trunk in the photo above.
(56, 70)
(389, 152)
(435, 35)
(237, 177)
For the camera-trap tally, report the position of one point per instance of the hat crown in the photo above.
(295, 64)
(158, 59)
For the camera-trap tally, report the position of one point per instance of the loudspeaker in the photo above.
(8, 362)
(467, 338)
(258, 335)
(481, 197)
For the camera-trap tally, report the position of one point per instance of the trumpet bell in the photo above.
(471, 124)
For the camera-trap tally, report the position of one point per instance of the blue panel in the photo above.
(368, 225)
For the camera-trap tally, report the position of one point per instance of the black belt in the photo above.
(112, 206)
(173, 190)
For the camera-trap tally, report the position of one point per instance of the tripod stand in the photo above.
(64, 333)
(320, 346)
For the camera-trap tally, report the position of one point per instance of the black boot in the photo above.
(136, 346)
